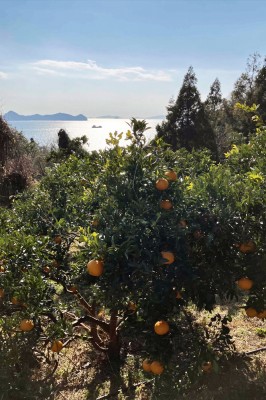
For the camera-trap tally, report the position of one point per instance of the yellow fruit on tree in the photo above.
(26, 325)
(146, 365)
(206, 366)
(57, 346)
(166, 204)
(168, 256)
(245, 283)
(161, 327)
(247, 247)
(251, 312)
(95, 267)
(157, 368)
(171, 175)
(162, 184)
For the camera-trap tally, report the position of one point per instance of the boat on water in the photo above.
(95, 126)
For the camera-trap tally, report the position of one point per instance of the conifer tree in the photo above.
(260, 91)
(244, 92)
(187, 124)
(214, 108)
(214, 98)
(244, 89)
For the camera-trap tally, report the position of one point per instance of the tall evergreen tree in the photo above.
(186, 123)
(244, 89)
(214, 99)
(260, 91)
(214, 109)
(244, 92)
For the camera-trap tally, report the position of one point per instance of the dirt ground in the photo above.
(81, 374)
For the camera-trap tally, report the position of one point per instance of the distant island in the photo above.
(13, 116)
(109, 117)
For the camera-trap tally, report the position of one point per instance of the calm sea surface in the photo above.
(45, 132)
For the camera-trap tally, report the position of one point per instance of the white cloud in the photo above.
(91, 70)
(3, 75)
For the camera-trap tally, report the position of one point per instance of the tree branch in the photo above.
(255, 351)
(104, 325)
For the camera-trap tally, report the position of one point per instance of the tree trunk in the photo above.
(114, 345)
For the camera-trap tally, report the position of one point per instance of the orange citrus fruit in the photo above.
(57, 346)
(251, 312)
(146, 365)
(245, 283)
(206, 366)
(166, 204)
(2, 293)
(132, 306)
(161, 327)
(162, 184)
(57, 239)
(15, 301)
(47, 269)
(178, 295)
(157, 368)
(26, 325)
(247, 247)
(171, 175)
(2, 269)
(95, 267)
(262, 314)
(169, 256)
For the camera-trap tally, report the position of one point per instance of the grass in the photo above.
(261, 332)
(83, 374)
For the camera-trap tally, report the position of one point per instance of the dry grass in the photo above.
(84, 375)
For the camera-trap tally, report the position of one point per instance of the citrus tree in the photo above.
(121, 241)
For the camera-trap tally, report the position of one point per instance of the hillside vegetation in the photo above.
(141, 255)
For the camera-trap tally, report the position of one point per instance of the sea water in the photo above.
(45, 132)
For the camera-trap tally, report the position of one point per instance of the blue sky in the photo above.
(121, 57)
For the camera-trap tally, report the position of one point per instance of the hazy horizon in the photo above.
(115, 116)
(125, 58)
